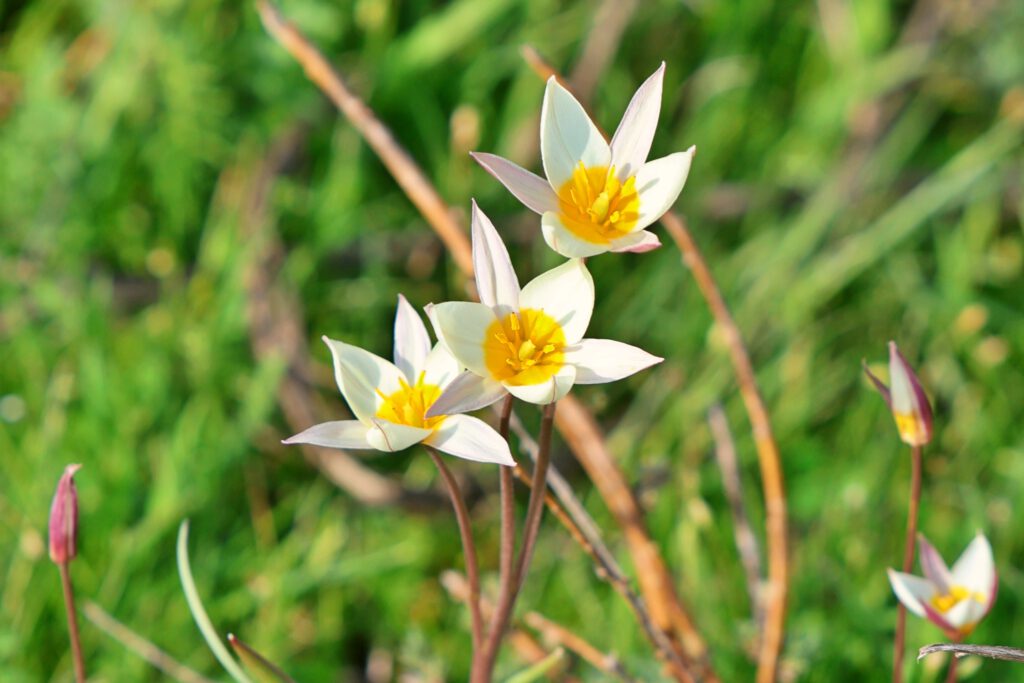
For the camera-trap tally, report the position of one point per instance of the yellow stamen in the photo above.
(524, 348)
(407, 405)
(596, 207)
(911, 428)
(944, 603)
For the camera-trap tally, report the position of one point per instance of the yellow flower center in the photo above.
(911, 428)
(524, 348)
(407, 405)
(596, 207)
(944, 603)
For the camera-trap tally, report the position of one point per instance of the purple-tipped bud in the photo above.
(906, 399)
(64, 518)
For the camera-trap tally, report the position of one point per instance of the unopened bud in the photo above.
(64, 518)
(906, 399)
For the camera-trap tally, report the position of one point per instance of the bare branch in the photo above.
(1001, 652)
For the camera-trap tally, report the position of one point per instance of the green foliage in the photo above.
(849, 188)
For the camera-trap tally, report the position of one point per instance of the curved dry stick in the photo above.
(1001, 652)
(777, 586)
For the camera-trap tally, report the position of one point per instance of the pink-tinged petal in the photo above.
(913, 591)
(937, 618)
(878, 384)
(910, 406)
(602, 360)
(935, 569)
(390, 437)
(965, 615)
(63, 526)
(547, 391)
(659, 183)
(636, 242)
(565, 293)
(440, 367)
(568, 136)
(462, 327)
(339, 434)
(565, 242)
(533, 191)
(471, 439)
(632, 140)
(496, 281)
(412, 343)
(360, 376)
(975, 569)
(466, 393)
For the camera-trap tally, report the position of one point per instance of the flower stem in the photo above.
(951, 671)
(512, 581)
(908, 561)
(468, 550)
(72, 613)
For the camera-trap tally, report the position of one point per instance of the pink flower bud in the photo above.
(64, 518)
(906, 399)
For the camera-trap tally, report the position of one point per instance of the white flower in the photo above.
(597, 197)
(954, 600)
(390, 401)
(528, 343)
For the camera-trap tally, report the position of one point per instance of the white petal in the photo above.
(360, 375)
(934, 567)
(912, 591)
(465, 393)
(472, 439)
(965, 613)
(390, 437)
(440, 367)
(975, 569)
(496, 281)
(412, 343)
(659, 183)
(339, 434)
(529, 188)
(568, 136)
(632, 140)
(566, 293)
(548, 391)
(602, 360)
(564, 241)
(636, 242)
(462, 325)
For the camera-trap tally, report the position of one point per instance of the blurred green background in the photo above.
(858, 179)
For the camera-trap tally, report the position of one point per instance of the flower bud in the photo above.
(906, 399)
(64, 518)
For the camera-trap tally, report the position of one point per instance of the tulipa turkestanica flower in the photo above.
(906, 399)
(63, 526)
(526, 342)
(597, 196)
(390, 400)
(954, 599)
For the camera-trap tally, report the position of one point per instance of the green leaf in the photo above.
(259, 666)
(539, 669)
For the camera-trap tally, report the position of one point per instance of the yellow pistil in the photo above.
(407, 405)
(911, 428)
(524, 348)
(596, 207)
(944, 603)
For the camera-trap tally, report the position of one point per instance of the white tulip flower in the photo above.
(390, 401)
(597, 197)
(954, 599)
(525, 342)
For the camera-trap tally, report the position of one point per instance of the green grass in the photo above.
(127, 130)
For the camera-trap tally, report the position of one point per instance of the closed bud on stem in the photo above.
(64, 518)
(906, 399)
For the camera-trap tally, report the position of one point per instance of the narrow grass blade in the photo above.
(259, 666)
(539, 669)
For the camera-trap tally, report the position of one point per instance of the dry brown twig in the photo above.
(772, 483)
(1001, 652)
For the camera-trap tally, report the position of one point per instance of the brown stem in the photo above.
(468, 550)
(951, 671)
(531, 525)
(908, 561)
(72, 614)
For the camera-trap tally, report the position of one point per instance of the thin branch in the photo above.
(141, 646)
(1000, 652)
(743, 532)
(556, 634)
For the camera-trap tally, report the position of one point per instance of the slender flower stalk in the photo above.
(913, 416)
(63, 547)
